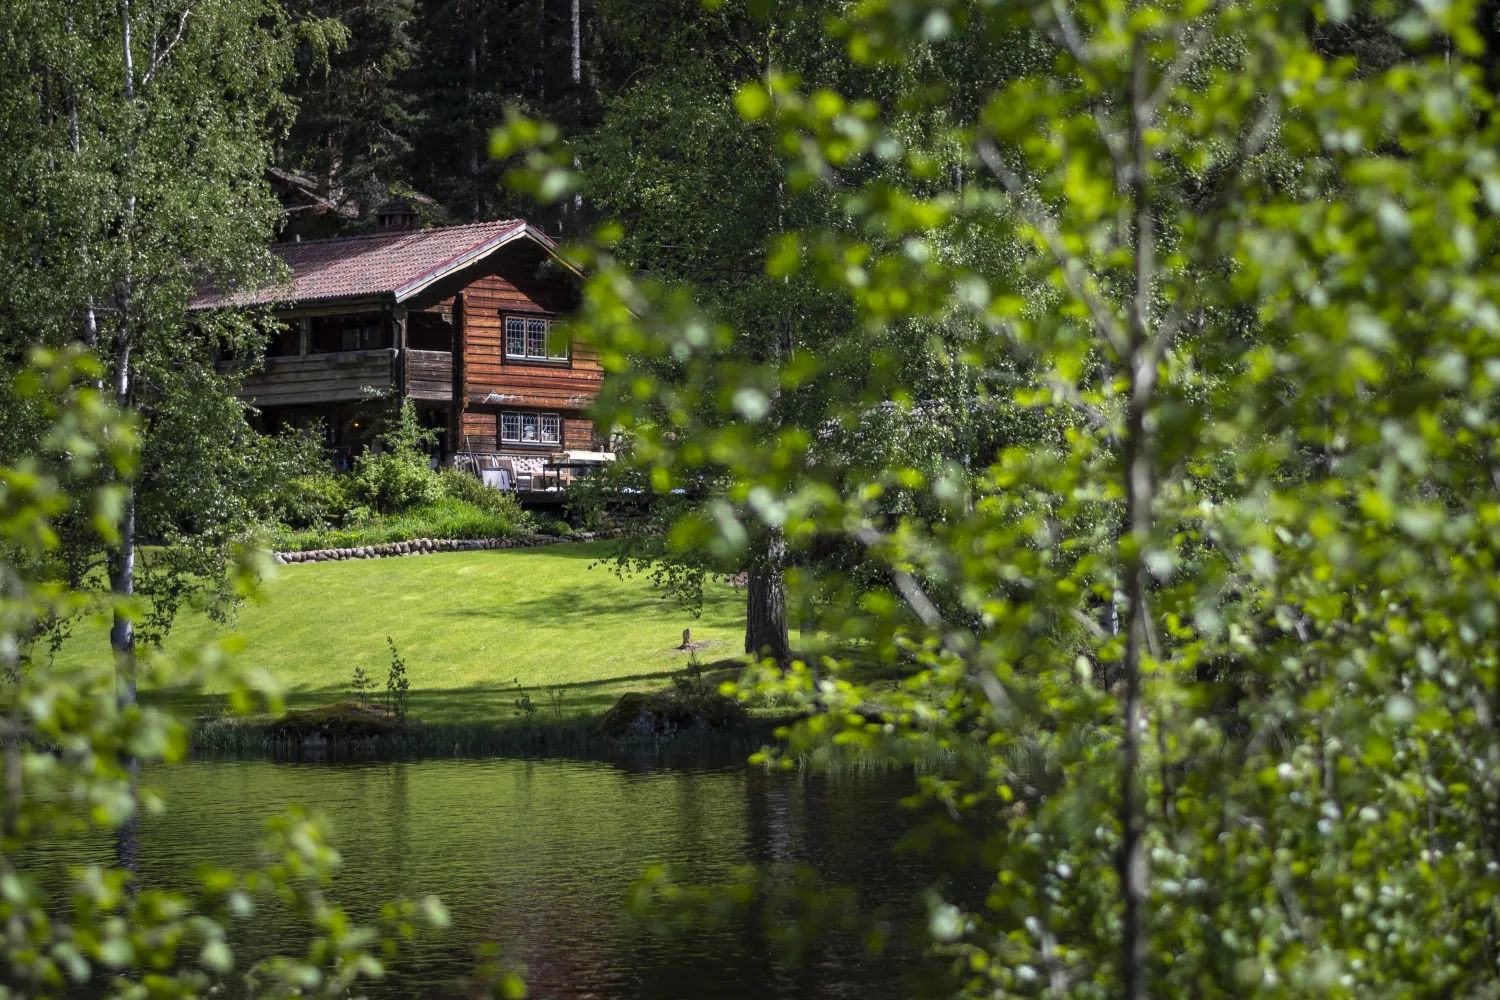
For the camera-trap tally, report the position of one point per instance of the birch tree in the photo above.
(142, 129)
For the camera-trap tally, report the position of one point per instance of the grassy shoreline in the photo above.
(695, 749)
(478, 631)
(575, 738)
(510, 652)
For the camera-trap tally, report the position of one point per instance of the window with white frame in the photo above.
(530, 428)
(534, 339)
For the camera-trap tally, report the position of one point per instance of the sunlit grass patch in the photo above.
(476, 630)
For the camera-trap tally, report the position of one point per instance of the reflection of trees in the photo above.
(584, 832)
(539, 854)
(843, 829)
(769, 815)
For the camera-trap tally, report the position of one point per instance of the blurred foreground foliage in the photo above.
(72, 753)
(1214, 639)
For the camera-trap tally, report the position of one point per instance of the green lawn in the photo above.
(467, 624)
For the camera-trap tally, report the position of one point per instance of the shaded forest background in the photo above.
(407, 106)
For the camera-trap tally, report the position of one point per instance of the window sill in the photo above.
(550, 362)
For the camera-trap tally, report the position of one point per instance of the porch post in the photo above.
(460, 342)
(402, 372)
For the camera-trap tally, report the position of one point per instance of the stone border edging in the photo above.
(423, 546)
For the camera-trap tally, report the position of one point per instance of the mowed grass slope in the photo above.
(468, 624)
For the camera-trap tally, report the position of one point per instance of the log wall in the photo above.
(491, 379)
(429, 375)
(578, 434)
(479, 431)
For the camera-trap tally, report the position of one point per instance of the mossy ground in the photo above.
(475, 628)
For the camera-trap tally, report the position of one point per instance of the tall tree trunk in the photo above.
(1140, 498)
(765, 611)
(576, 209)
(122, 586)
(577, 64)
(122, 568)
(122, 640)
(473, 138)
(541, 48)
(478, 43)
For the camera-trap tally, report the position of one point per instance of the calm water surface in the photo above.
(538, 855)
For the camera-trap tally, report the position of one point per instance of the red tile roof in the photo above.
(392, 263)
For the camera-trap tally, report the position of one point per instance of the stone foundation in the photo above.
(423, 546)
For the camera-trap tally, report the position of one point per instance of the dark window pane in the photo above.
(286, 342)
(328, 334)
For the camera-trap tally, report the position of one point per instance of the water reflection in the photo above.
(539, 854)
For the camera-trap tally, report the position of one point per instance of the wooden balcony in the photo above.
(320, 378)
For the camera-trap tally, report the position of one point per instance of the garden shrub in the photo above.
(287, 479)
(317, 496)
(392, 482)
(357, 516)
(462, 486)
(394, 496)
(398, 477)
(447, 518)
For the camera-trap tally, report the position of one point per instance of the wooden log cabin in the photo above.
(462, 320)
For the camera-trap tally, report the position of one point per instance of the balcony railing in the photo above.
(320, 378)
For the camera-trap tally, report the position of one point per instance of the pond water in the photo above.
(538, 856)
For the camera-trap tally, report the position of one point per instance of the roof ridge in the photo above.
(395, 232)
(395, 262)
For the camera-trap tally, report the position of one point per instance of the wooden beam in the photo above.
(361, 306)
(398, 330)
(460, 371)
